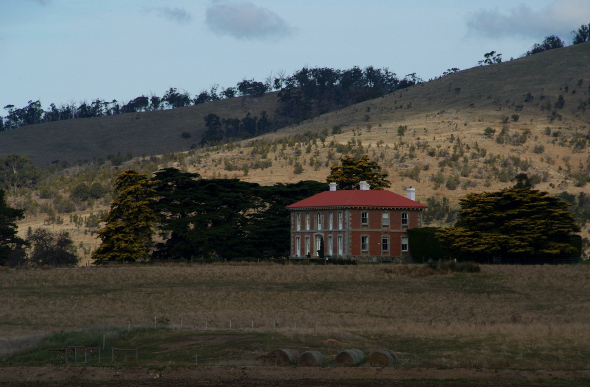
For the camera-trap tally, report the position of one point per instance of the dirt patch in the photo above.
(276, 376)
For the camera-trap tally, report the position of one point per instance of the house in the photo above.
(363, 224)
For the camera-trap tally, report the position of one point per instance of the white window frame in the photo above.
(330, 245)
(307, 221)
(298, 221)
(318, 245)
(340, 245)
(307, 245)
(297, 246)
(404, 244)
(340, 220)
(365, 218)
(364, 243)
(385, 219)
(405, 219)
(319, 221)
(385, 245)
(330, 220)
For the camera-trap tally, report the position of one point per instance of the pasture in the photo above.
(533, 317)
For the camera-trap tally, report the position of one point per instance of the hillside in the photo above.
(465, 132)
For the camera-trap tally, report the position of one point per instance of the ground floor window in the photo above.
(340, 245)
(318, 245)
(307, 245)
(364, 243)
(330, 245)
(298, 246)
(385, 243)
(404, 243)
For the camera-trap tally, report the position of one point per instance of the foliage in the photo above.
(52, 248)
(17, 171)
(439, 210)
(582, 34)
(9, 240)
(127, 234)
(549, 43)
(518, 224)
(490, 58)
(424, 245)
(352, 171)
(225, 218)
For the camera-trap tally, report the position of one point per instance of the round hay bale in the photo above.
(311, 359)
(383, 358)
(350, 358)
(285, 357)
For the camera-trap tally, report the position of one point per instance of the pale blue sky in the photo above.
(74, 50)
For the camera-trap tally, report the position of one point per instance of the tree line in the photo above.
(355, 84)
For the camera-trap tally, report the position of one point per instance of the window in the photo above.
(297, 246)
(340, 220)
(307, 221)
(385, 219)
(318, 245)
(364, 243)
(319, 221)
(340, 246)
(404, 243)
(385, 243)
(298, 221)
(330, 220)
(330, 245)
(307, 245)
(404, 218)
(364, 218)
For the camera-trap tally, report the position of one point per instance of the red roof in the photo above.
(357, 198)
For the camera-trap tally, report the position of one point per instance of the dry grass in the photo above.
(529, 316)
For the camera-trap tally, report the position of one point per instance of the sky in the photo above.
(63, 51)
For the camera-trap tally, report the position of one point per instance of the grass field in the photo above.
(504, 317)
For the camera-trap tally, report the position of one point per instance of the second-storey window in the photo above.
(307, 221)
(340, 220)
(330, 220)
(319, 221)
(298, 221)
(404, 218)
(385, 219)
(364, 218)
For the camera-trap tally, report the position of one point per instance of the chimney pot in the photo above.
(332, 186)
(364, 186)
(411, 193)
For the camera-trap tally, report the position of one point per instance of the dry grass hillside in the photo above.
(535, 111)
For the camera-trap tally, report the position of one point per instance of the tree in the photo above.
(127, 234)
(518, 224)
(17, 171)
(213, 134)
(490, 58)
(582, 34)
(549, 43)
(52, 248)
(351, 172)
(9, 240)
(203, 217)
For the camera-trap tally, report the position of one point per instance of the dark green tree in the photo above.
(518, 224)
(213, 134)
(490, 58)
(17, 171)
(582, 34)
(549, 43)
(52, 248)
(129, 225)
(9, 240)
(352, 171)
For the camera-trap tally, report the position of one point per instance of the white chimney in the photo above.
(364, 186)
(332, 186)
(411, 193)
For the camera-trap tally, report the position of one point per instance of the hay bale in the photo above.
(285, 357)
(383, 358)
(311, 359)
(350, 358)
